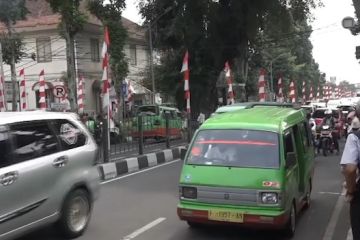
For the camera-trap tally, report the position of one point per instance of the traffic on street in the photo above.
(142, 206)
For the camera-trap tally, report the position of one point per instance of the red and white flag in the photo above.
(23, 105)
(228, 77)
(80, 94)
(280, 91)
(304, 92)
(2, 95)
(262, 86)
(318, 93)
(186, 71)
(311, 96)
(292, 94)
(105, 77)
(42, 93)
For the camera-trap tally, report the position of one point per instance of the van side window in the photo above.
(5, 147)
(305, 134)
(289, 145)
(32, 140)
(69, 135)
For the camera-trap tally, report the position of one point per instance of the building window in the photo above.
(133, 60)
(95, 52)
(43, 49)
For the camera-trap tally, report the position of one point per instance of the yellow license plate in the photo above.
(226, 216)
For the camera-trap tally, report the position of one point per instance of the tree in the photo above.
(110, 15)
(10, 13)
(219, 31)
(72, 22)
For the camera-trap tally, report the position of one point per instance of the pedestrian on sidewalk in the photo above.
(350, 163)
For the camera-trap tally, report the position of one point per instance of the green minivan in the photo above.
(253, 167)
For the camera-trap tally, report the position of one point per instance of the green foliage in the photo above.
(72, 19)
(110, 15)
(12, 11)
(229, 30)
(8, 43)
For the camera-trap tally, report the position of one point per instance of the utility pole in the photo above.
(152, 65)
(2, 74)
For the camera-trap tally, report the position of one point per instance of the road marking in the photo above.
(329, 232)
(349, 235)
(330, 193)
(144, 229)
(142, 171)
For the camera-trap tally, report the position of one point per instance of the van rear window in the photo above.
(235, 148)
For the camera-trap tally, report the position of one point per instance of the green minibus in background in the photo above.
(253, 167)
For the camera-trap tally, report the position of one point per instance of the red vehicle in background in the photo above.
(338, 115)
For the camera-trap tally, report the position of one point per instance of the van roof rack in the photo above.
(271, 104)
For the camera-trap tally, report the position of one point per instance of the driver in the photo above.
(330, 121)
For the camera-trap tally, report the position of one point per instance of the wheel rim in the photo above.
(78, 214)
(292, 219)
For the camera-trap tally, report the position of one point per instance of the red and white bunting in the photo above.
(311, 95)
(230, 98)
(280, 91)
(80, 94)
(186, 71)
(318, 93)
(304, 92)
(292, 94)
(23, 105)
(42, 93)
(2, 94)
(325, 92)
(105, 77)
(262, 86)
(337, 92)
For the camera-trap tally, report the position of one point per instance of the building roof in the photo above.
(265, 118)
(41, 17)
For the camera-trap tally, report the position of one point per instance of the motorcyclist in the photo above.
(330, 121)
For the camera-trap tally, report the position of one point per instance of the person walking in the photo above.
(350, 163)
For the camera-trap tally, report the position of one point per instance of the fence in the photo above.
(142, 134)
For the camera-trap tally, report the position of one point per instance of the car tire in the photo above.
(194, 224)
(308, 197)
(290, 226)
(75, 214)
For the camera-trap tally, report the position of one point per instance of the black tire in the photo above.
(290, 227)
(308, 197)
(194, 224)
(65, 225)
(324, 146)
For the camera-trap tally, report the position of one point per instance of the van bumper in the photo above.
(265, 219)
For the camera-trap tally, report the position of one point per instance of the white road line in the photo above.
(334, 217)
(349, 235)
(143, 229)
(142, 171)
(330, 193)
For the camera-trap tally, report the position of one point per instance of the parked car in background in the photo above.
(47, 173)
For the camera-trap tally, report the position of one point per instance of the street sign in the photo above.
(59, 106)
(59, 91)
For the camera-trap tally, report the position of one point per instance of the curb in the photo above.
(129, 165)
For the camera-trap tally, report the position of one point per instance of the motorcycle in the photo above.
(326, 140)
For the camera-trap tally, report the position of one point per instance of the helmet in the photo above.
(328, 112)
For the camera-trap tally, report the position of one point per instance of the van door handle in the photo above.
(8, 178)
(60, 162)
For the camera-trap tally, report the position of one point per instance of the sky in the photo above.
(334, 46)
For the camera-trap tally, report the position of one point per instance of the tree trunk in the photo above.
(71, 70)
(13, 70)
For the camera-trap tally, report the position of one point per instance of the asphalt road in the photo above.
(142, 206)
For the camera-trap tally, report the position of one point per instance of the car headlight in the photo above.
(269, 198)
(188, 192)
(326, 127)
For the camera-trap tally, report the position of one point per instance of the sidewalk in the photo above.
(130, 164)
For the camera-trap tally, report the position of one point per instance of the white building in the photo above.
(42, 40)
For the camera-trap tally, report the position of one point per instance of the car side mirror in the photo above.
(290, 160)
(183, 153)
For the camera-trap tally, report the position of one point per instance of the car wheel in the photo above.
(308, 197)
(194, 224)
(291, 224)
(75, 214)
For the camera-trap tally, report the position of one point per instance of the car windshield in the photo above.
(319, 114)
(235, 148)
(147, 110)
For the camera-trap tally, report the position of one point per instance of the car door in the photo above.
(28, 181)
